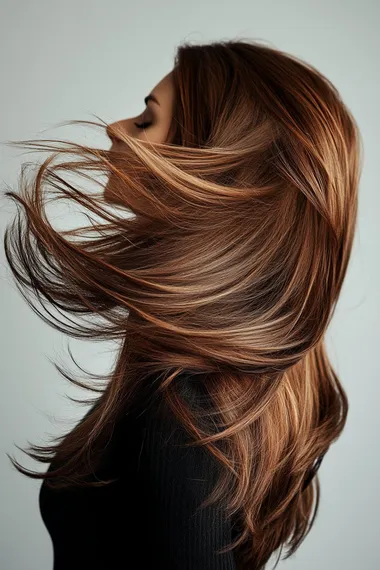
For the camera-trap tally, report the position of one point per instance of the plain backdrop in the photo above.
(63, 60)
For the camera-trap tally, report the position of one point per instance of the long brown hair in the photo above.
(229, 268)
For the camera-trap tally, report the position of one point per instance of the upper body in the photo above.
(237, 252)
(148, 518)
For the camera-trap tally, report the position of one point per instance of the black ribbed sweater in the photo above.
(147, 519)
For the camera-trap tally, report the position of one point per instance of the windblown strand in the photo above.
(224, 258)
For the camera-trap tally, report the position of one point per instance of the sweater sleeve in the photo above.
(177, 480)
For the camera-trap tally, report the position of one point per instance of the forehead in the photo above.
(164, 89)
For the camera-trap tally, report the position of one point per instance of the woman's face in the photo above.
(158, 114)
(157, 117)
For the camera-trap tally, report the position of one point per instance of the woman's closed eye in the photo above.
(143, 125)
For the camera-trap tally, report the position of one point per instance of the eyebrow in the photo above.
(151, 98)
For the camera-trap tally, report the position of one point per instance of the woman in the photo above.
(201, 450)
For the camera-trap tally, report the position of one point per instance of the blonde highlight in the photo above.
(228, 270)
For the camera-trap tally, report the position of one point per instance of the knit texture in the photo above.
(149, 517)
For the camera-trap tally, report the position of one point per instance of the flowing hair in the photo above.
(228, 267)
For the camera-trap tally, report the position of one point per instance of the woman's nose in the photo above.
(115, 128)
(111, 132)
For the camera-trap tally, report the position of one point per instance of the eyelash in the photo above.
(143, 125)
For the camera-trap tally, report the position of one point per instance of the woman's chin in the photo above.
(108, 195)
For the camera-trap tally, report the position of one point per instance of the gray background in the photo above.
(67, 60)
